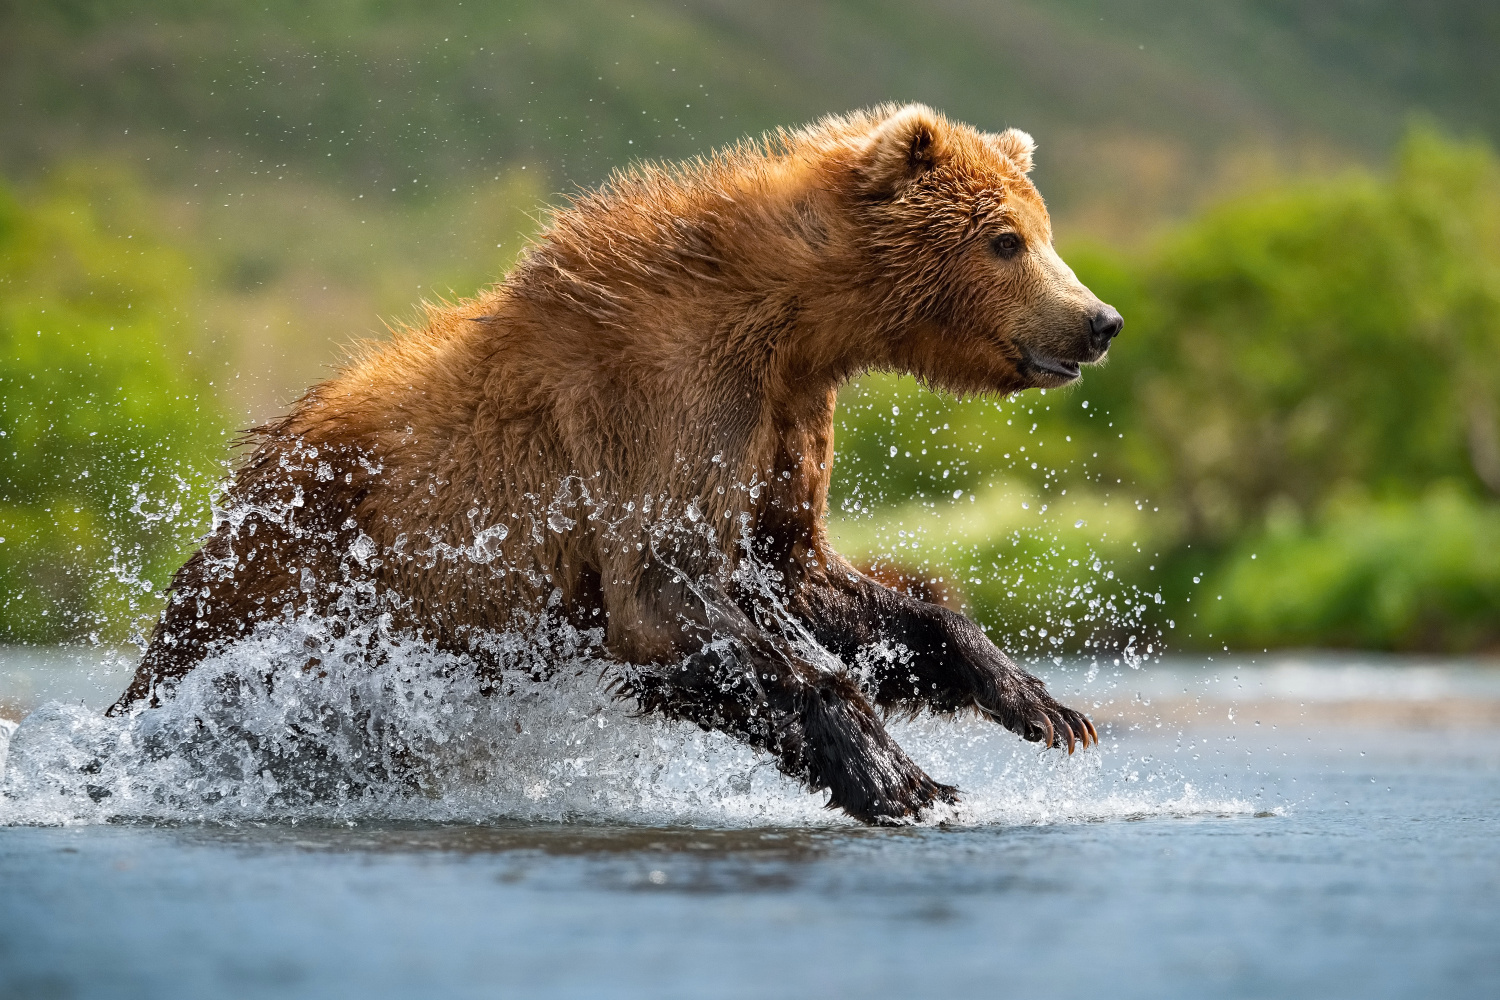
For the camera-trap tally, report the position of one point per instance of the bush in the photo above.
(1384, 574)
(1304, 340)
(105, 445)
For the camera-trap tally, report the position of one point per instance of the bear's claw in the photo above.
(1055, 725)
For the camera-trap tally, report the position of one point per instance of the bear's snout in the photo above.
(1082, 339)
(1104, 326)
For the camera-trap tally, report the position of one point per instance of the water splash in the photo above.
(346, 718)
(385, 727)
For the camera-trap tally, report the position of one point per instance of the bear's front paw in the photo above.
(1022, 705)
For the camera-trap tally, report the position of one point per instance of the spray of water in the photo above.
(389, 728)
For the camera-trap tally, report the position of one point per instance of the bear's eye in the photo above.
(1006, 245)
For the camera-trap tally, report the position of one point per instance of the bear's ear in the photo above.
(1016, 146)
(903, 147)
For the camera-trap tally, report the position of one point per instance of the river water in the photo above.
(1298, 827)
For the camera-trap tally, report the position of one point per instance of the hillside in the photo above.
(372, 92)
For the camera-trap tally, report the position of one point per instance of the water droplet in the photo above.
(362, 549)
(486, 547)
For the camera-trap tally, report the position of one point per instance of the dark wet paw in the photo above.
(901, 805)
(844, 748)
(1023, 706)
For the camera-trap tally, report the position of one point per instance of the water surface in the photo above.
(1194, 855)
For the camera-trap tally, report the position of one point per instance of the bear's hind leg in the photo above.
(210, 606)
(180, 640)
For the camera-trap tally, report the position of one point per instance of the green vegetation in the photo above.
(371, 95)
(106, 453)
(1391, 574)
(1305, 409)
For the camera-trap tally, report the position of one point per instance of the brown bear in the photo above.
(634, 430)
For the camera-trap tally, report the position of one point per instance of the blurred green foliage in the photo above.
(1309, 373)
(106, 445)
(402, 98)
(1300, 341)
(1386, 574)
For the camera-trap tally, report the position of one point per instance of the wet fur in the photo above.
(646, 401)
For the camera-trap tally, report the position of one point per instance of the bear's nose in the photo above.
(1104, 326)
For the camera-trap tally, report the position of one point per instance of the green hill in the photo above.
(411, 95)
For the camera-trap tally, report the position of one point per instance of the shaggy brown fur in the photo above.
(643, 409)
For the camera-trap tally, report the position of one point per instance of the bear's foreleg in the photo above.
(714, 667)
(947, 663)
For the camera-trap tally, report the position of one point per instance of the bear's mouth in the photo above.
(1051, 368)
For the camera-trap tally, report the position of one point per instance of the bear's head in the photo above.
(973, 296)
